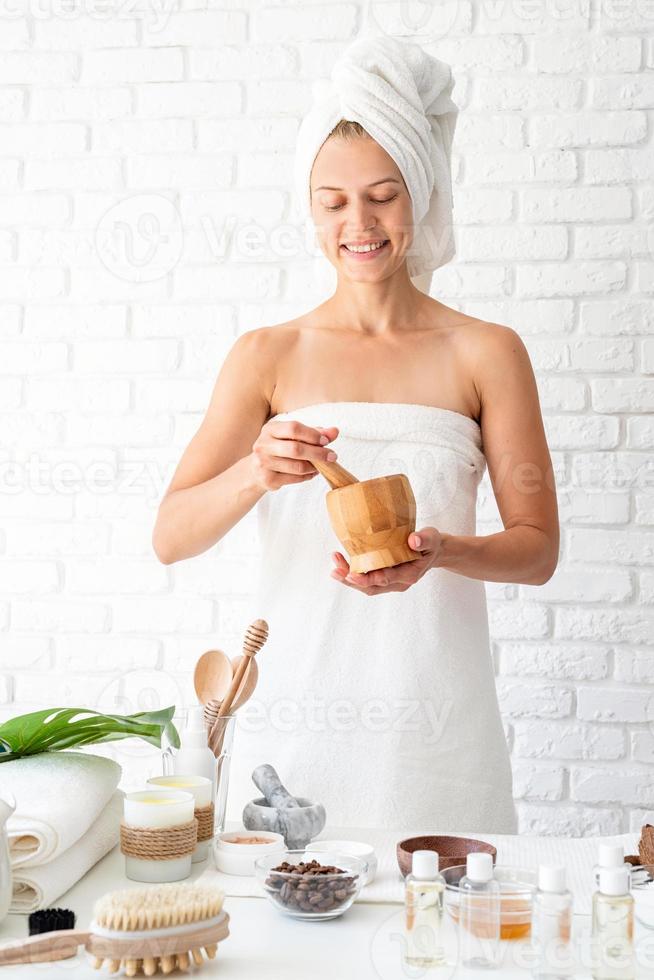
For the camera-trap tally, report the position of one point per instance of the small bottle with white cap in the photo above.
(551, 924)
(424, 894)
(612, 935)
(479, 914)
(611, 856)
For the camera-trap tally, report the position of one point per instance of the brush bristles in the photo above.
(157, 907)
(150, 965)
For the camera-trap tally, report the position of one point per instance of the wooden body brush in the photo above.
(155, 929)
(371, 518)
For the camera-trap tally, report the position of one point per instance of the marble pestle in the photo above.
(266, 779)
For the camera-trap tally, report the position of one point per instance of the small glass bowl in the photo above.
(517, 887)
(642, 889)
(325, 896)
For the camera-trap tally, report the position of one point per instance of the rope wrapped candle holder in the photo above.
(201, 788)
(158, 835)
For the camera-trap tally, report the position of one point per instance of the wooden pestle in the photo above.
(335, 475)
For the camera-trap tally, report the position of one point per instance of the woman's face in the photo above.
(354, 201)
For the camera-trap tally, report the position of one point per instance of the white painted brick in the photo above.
(568, 740)
(615, 165)
(476, 207)
(576, 203)
(529, 18)
(642, 747)
(547, 355)
(608, 625)
(137, 65)
(209, 282)
(26, 652)
(116, 576)
(581, 432)
(621, 547)
(5, 689)
(84, 32)
(481, 53)
(634, 666)
(105, 653)
(527, 92)
(562, 394)
(15, 33)
(625, 316)
(128, 430)
(9, 174)
(586, 52)
(38, 537)
(623, 92)
(77, 395)
(11, 393)
(126, 356)
(247, 61)
(75, 322)
(493, 132)
(288, 24)
(35, 209)
(569, 821)
(23, 358)
(571, 278)
(562, 661)
(50, 616)
(79, 104)
(244, 134)
(175, 320)
(172, 395)
(99, 285)
(527, 316)
(512, 243)
(263, 169)
(166, 615)
(614, 471)
(25, 431)
(644, 509)
(133, 539)
(638, 818)
(59, 247)
(60, 690)
(12, 105)
(609, 704)
(25, 577)
(502, 168)
(198, 28)
(580, 506)
(138, 136)
(612, 786)
(531, 700)
(537, 782)
(588, 129)
(90, 173)
(647, 356)
(640, 433)
(199, 171)
(612, 241)
(579, 583)
(622, 394)
(394, 17)
(645, 276)
(31, 67)
(44, 139)
(189, 100)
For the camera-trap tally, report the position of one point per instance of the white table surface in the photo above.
(365, 943)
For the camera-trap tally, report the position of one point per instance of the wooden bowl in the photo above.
(451, 850)
(373, 519)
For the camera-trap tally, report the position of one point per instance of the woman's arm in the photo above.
(520, 470)
(213, 486)
(521, 474)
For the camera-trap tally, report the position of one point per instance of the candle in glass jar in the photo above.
(158, 809)
(201, 789)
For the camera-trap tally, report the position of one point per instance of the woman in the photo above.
(376, 693)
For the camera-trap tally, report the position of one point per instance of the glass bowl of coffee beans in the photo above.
(305, 888)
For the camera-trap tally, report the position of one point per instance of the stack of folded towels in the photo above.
(67, 817)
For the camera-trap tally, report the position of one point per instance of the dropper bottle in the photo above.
(612, 938)
(424, 895)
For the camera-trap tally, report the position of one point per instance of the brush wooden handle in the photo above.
(59, 944)
(335, 474)
(255, 637)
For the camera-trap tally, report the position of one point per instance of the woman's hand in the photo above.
(427, 544)
(283, 451)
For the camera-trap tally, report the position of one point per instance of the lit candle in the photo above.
(201, 789)
(158, 809)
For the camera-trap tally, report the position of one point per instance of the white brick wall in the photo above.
(138, 143)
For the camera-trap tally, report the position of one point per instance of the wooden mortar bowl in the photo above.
(373, 519)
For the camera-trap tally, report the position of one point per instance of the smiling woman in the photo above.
(383, 709)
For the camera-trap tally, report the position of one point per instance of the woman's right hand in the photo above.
(283, 452)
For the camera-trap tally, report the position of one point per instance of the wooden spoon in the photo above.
(212, 676)
(248, 683)
(255, 637)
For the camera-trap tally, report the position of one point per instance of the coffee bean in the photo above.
(305, 885)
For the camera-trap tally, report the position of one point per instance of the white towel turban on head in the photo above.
(402, 97)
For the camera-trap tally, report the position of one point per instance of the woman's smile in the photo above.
(367, 255)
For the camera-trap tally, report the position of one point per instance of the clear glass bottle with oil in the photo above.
(424, 898)
(612, 939)
(551, 924)
(479, 914)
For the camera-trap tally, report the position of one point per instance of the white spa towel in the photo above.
(37, 887)
(402, 96)
(58, 796)
(383, 708)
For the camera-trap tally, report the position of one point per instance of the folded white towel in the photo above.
(37, 888)
(402, 97)
(58, 796)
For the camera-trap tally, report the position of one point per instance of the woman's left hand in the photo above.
(427, 545)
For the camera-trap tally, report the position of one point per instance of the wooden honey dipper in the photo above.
(255, 637)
